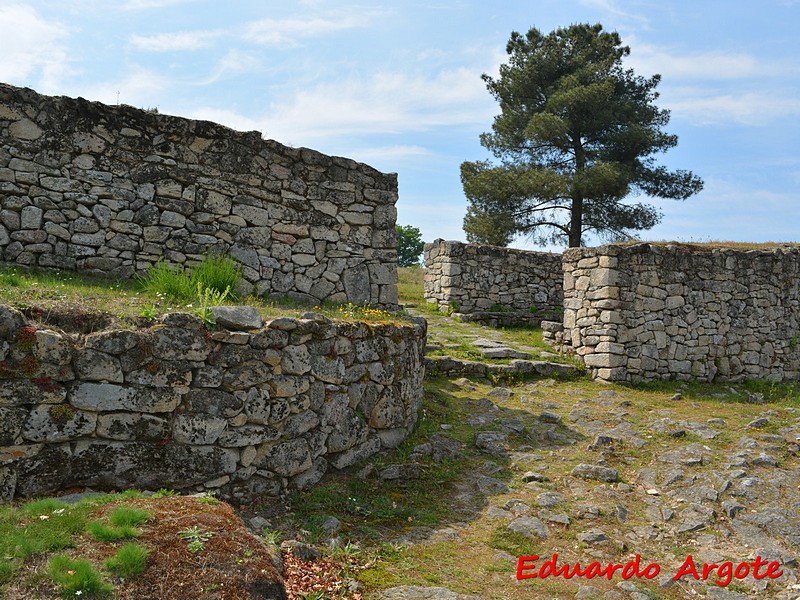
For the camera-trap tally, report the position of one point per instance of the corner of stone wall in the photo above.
(593, 321)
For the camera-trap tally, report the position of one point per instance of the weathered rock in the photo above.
(237, 318)
(489, 486)
(593, 536)
(596, 472)
(400, 471)
(530, 526)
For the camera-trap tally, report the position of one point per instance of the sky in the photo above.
(397, 85)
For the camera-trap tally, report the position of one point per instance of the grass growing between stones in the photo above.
(83, 303)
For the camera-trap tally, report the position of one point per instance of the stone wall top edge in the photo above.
(450, 245)
(9, 317)
(676, 248)
(177, 125)
(687, 248)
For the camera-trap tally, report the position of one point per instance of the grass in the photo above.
(712, 244)
(76, 577)
(410, 285)
(129, 561)
(84, 303)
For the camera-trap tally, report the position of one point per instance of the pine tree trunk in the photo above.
(576, 223)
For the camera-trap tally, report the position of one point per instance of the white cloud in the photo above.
(646, 59)
(140, 87)
(289, 31)
(31, 47)
(234, 62)
(148, 4)
(386, 103)
(170, 42)
(389, 155)
(730, 211)
(705, 107)
(613, 8)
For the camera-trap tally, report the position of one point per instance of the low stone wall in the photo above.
(113, 189)
(244, 413)
(651, 312)
(496, 286)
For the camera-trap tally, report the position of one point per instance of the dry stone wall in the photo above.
(114, 189)
(497, 286)
(245, 411)
(650, 312)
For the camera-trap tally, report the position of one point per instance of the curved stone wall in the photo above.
(245, 413)
(113, 189)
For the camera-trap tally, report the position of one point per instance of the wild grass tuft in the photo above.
(11, 278)
(126, 516)
(219, 274)
(45, 506)
(171, 281)
(129, 561)
(76, 577)
(109, 533)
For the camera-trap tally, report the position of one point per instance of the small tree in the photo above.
(409, 245)
(575, 137)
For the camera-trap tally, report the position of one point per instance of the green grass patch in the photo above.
(76, 577)
(128, 516)
(214, 277)
(6, 570)
(124, 521)
(109, 533)
(129, 561)
(218, 273)
(747, 392)
(410, 282)
(516, 544)
(46, 525)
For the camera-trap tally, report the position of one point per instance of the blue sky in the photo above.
(397, 85)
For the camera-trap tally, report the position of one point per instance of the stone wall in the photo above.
(245, 411)
(113, 189)
(690, 313)
(497, 286)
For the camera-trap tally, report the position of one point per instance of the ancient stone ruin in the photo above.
(113, 189)
(642, 312)
(494, 286)
(246, 411)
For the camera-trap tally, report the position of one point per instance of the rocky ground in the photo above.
(681, 476)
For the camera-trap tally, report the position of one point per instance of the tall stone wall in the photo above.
(113, 189)
(650, 312)
(245, 413)
(493, 284)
